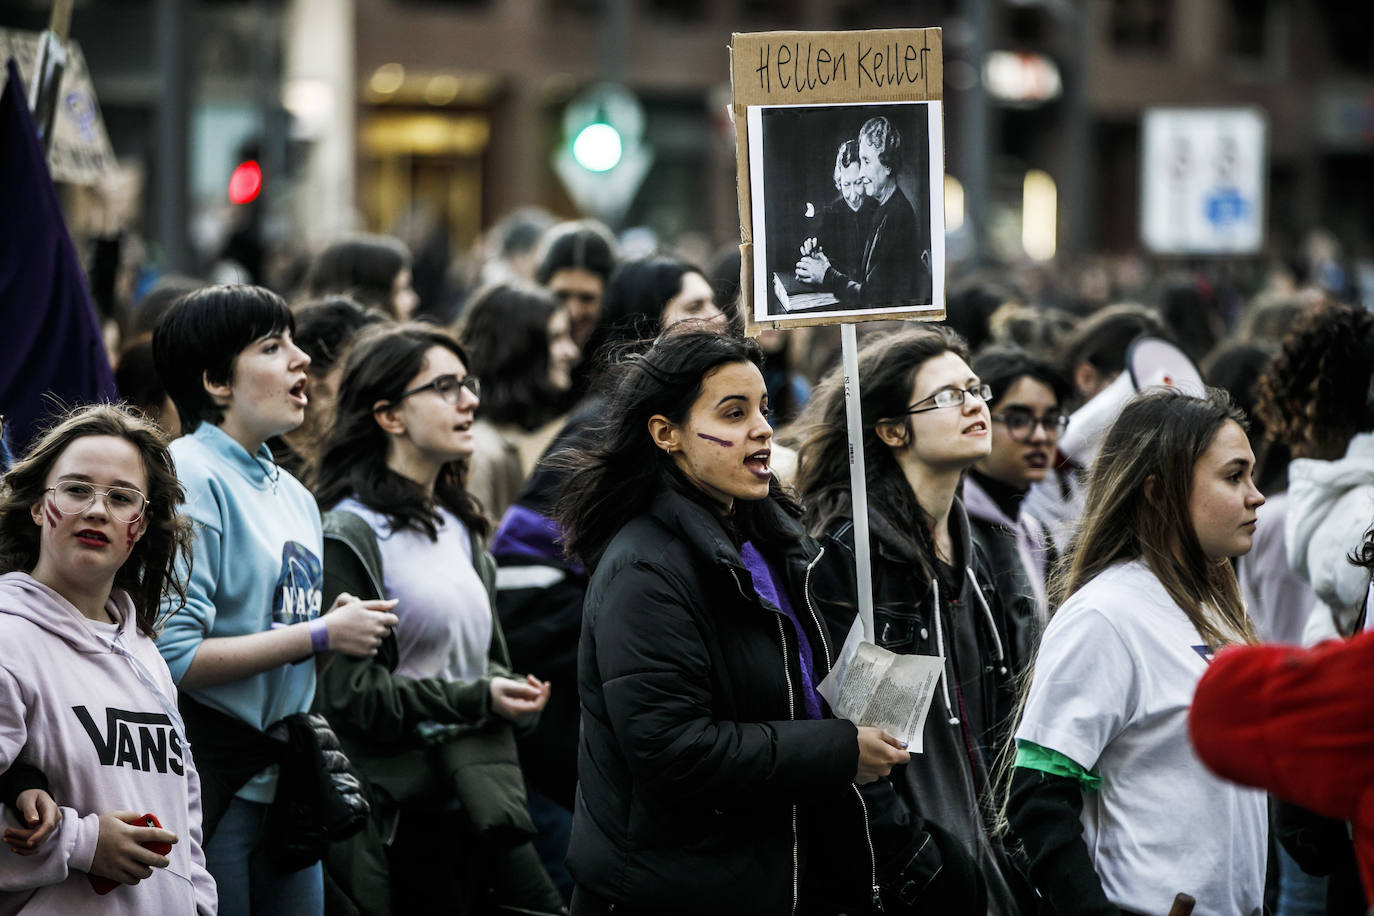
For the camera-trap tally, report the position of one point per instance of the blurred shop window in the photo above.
(1349, 29)
(885, 14)
(1249, 23)
(677, 10)
(1256, 37)
(583, 9)
(778, 12)
(1140, 25)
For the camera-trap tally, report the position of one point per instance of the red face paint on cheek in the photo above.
(723, 443)
(130, 536)
(50, 510)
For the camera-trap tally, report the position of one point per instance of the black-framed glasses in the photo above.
(951, 397)
(448, 387)
(1021, 424)
(73, 497)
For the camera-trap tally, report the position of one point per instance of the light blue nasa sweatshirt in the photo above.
(257, 565)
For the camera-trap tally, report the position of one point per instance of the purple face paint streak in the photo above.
(50, 510)
(723, 443)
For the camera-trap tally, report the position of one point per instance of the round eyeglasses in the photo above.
(448, 387)
(1021, 424)
(951, 397)
(124, 504)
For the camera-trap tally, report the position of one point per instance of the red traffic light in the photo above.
(245, 183)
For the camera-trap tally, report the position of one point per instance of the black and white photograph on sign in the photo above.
(848, 209)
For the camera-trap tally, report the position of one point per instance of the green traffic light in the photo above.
(597, 147)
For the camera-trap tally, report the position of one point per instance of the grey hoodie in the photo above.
(94, 708)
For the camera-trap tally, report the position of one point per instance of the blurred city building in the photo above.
(388, 114)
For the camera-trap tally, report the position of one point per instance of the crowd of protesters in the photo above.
(374, 598)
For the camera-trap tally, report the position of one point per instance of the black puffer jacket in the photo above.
(700, 780)
(947, 784)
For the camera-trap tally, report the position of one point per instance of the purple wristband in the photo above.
(319, 636)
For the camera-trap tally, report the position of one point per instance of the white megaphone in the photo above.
(1150, 363)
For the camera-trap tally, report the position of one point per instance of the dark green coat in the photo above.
(376, 715)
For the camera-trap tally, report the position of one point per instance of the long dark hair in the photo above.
(353, 459)
(887, 370)
(632, 308)
(506, 329)
(1160, 435)
(613, 478)
(150, 571)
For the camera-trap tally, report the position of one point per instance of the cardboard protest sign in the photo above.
(80, 152)
(840, 152)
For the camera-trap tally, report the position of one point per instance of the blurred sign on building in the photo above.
(1202, 180)
(603, 158)
(81, 152)
(1021, 79)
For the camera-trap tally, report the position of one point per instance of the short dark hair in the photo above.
(201, 337)
(884, 138)
(361, 266)
(1000, 366)
(582, 245)
(325, 327)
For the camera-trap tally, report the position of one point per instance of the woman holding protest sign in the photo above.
(1115, 811)
(710, 774)
(925, 421)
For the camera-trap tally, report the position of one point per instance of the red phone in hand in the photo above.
(105, 885)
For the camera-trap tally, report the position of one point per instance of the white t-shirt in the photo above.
(1113, 682)
(445, 624)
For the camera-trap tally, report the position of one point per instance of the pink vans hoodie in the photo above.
(94, 708)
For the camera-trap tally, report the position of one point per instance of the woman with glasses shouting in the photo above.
(926, 421)
(89, 538)
(429, 718)
(1027, 420)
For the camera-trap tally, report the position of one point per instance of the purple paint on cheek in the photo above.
(723, 443)
(50, 510)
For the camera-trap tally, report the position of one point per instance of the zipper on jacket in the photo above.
(872, 856)
(806, 593)
(787, 675)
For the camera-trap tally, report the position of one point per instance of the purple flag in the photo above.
(51, 339)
